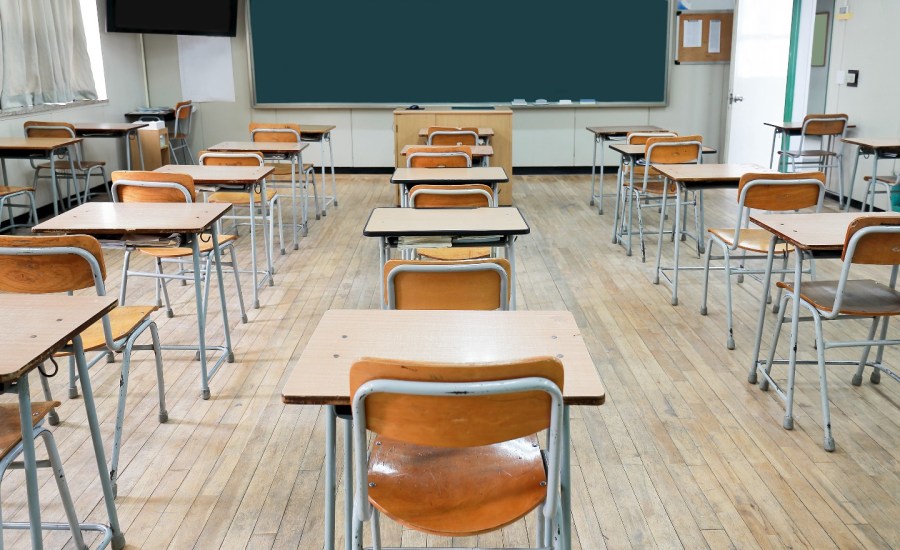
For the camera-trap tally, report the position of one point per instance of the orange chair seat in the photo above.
(420, 487)
(654, 187)
(122, 320)
(6, 190)
(63, 166)
(182, 251)
(861, 297)
(639, 170)
(455, 253)
(284, 169)
(884, 179)
(240, 197)
(11, 429)
(752, 239)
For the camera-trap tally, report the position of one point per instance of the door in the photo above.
(756, 92)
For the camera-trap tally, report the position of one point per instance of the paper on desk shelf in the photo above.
(136, 240)
(715, 35)
(428, 241)
(693, 34)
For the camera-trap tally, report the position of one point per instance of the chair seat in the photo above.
(182, 251)
(455, 253)
(890, 180)
(63, 166)
(808, 153)
(752, 239)
(639, 170)
(654, 187)
(861, 297)
(429, 496)
(122, 321)
(284, 169)
(11, 429)
(5, 191)
(240, 197)
(178, 136)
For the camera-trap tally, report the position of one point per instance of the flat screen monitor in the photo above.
(198, 17)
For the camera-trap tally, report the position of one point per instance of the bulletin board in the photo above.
(704, 37)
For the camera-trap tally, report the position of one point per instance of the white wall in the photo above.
(867, 42)
(818, 76)
(364, 138)
(125, 88)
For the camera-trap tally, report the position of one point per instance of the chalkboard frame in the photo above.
(671, 20)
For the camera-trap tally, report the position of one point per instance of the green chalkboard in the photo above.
(399, 52)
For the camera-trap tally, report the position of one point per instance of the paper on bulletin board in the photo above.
(693, 34)
(205, 66)
(715, 36)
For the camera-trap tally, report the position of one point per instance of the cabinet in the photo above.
(408, 123)
(155, 146)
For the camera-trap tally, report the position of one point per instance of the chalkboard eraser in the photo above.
(587, 101)
(519, 102)
(413, 108)
(540, 101)
(565, 101)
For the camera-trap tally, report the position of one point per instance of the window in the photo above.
(92, 33)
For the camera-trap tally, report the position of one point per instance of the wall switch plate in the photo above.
(852, 78)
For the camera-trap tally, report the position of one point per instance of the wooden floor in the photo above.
(685, 453)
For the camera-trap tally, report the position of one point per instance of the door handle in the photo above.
(734, 98)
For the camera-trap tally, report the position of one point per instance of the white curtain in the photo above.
(43, 54)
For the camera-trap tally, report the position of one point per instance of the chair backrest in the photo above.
(873, 240)
(465, 284)
(673, 149)
(38, 128)
(824, 124)
(460, 421)
(70, 263)
(451, 196)
(456, 156)
(142, 186)
(183, 112)
(274, 132)
(640, 138)
(781, 192)
(446, 135)
(215, 158)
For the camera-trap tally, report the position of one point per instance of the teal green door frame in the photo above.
(791, 74)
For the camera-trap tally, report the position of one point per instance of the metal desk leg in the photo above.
(602, 169)
(565, 481)
(330, 486)
(348, 482)
(327, 138)
(253, 247)
(217, 258)
(594, 173)
(853, 181)
(118, 538)
(761, 320)
(873, 183)
(511, 256)
(305, 196)
(662, 216)
(679, 201)
(30, 463)
(268, 238)
(294, 199)
(382, 258)
(201, 317)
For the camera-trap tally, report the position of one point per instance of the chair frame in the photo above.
(817, 316)
(124, 345)
(447, 267)
(450, 190)
(182, 128)
(548, 532)
(743, 222)
(828, 142)
(6, 196)
(77, 163)
(874, 182)
(457, 132)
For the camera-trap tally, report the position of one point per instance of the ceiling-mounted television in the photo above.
(199, 17)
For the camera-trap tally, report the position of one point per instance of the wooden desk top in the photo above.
(34, 326)
(27, 145)
(791, 127)
(117, 218)
(106, 129)
(482, 132)
(638, 150)
(621, 131)
(822, 232)
(478, 174)
(317, 130)
(875, 143)
(265, 147)
(709, 172)
(411, 222)
(321, 375)
(219, 175)
(477, 150)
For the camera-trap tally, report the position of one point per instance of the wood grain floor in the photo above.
(684, 454)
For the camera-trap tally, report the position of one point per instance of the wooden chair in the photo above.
(7, 194)
(442, 432)
(446, 135)
(11, 448)
(888, 183)
(466, 284)
(648, 193)
(140, 186)
(83, 168)
(284, 172)
(43, 265)
(456, 156)
(826, 132)
(452, 196)
(869, 241)
(766, 192)
(240, 198)
(181, 133)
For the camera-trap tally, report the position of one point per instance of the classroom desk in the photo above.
(463, 226)
(246, 178)
(879, 148)
(602, 134)
(279, 150)
(113, 130)
(321, 133)
(484, 134)
(812, 236)
(32, 329)
(480, 153)
(38, 149)
(693, 177)
(407, 177)
(114, 219)
(320, 376)
(631, 154)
